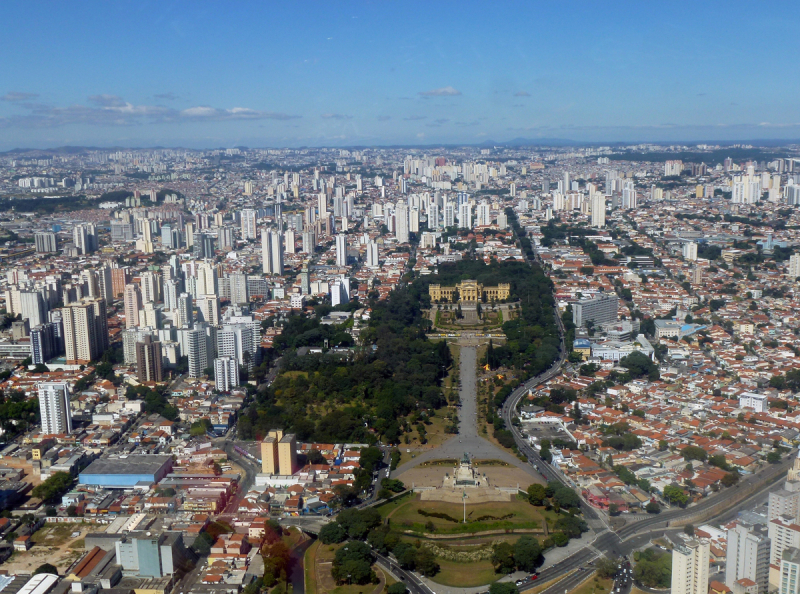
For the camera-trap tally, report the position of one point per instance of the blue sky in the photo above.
(212, 74)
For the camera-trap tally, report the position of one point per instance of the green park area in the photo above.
(430, 537)
(440, 517)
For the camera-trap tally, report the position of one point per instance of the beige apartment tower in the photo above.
(269, 452)
(690, 567)
(279, 453)
(85, 330)
(287, 454)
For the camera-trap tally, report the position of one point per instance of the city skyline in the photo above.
(136, 75)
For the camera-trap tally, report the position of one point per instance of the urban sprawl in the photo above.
(383, 369)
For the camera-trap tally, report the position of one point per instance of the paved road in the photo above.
(468, 439)
(250, 471)
(411, 580)
(383, 473)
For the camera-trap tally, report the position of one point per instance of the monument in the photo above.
(464, 475)
(466, 482)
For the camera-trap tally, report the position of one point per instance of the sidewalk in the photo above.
(558, 554)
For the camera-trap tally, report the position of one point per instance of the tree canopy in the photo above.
(639, 365)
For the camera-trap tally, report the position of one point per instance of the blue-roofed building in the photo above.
(127, 471)
(583, 347)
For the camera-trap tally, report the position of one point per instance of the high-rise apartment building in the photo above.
(130, 338)
(673, 168)
(249, 218)
(32, 307)
(747, 556)
(341, 249)
(226, 373)
(305, 280)
(690, 567)
(208, 309)
(449, 215)
(340, 291)
(269, 452)
(271, 251)
(279, 453)
(151, 287)
(148, 360)
(237, 285)
(105, 283)
(45, 242)
(401, 221)
(207, 279)
(85, 330)
(465, 216)
(690, 251)
(372, 255)
(54, 408)
(203, 245)
(783, 515)
(598, 206)
(794, 265)
(197, 350)
(133, 304)
(289, 241)
(309, 241)
(629, 197)
(84, 236)
(171, 292)
(225, 236)
(185, 310)
(45, 342)
(119, 278)
(783, 533)
(789, 572)
(239, 341)
(484, 216)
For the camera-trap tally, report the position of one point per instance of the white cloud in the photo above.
(18, 96)
(336, 116)
(107, 100)
(112, 110)
(443, 92)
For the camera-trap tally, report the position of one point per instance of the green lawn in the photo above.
(309, 565)
(405, 515)
(386, 509)
(465, 575)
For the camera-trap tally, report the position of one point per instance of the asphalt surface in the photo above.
(409, 578)
(468, 440)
